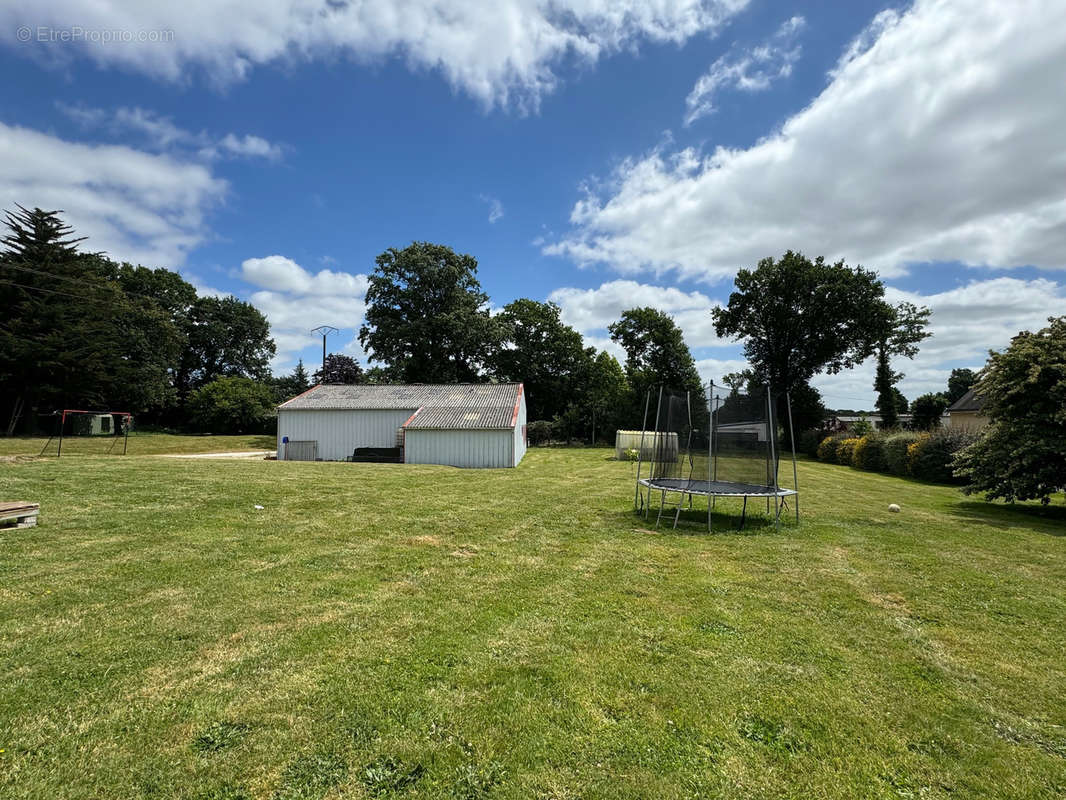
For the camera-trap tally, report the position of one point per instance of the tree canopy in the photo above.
(340, 368)
(70, 335)
(538, 348)
(656, 352)
(927, 409)
(902, 327)
(799, 317)
(231, 405)
(81, 330)
(959, 383)
(1021, 453)
(426, 315)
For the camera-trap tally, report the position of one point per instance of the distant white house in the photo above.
(461, 425)
(966, 413)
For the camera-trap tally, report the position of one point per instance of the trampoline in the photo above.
(722, 444)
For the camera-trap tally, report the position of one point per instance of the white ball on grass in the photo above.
(893, 508)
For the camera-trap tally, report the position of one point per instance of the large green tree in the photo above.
(603, 395)
(656, 355)
(902, 327)
(1021, 453)
(426, 315)
(70, 335)
(799, 317)
(537, 348)
(225, 337)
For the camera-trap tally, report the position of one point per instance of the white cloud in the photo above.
(939, 138)
(966, 323)
(505, 52)
(285, 275)
(295, 300)
(751, 71)
(135, 206)
(162, 134)
(592, 310)
(495, 207)
(249, 146)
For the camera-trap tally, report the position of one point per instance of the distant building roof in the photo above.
(971, 401)
(440, 406)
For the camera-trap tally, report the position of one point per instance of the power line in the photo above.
(47, 291)
(80, 281)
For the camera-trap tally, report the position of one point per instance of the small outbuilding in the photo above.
(967, 413)
(460, 425)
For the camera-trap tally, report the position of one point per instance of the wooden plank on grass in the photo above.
(19, 514)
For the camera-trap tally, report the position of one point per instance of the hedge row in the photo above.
(926, 456)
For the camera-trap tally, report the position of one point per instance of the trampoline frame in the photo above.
(688, 487)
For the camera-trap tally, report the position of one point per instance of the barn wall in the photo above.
(338, 433)
(519, 445)
(459, 448)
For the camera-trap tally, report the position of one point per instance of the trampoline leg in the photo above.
(743, 513)
(662, 502)
(777, 513)
(677, 513)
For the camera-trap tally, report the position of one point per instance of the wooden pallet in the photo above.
(19, 514)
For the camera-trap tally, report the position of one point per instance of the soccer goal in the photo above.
(89, 433)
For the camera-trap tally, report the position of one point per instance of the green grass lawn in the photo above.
(144, 444)
(400, 631)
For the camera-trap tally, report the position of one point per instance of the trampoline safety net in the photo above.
(714, 444)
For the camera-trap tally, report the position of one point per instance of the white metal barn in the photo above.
(461, 425)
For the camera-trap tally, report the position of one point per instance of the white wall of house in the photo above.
(518, 448)
(338, 433)
(459, 448)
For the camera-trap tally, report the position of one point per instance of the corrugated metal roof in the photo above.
(971, 401)
(468, 418)
(464, 405)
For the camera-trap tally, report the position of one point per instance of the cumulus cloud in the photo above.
(295, 300)
(282, 274)
(133, 205)
(590, 311)
(938, 138)
(752, 70)
(505, 52)
(967, 322)
(162, 134)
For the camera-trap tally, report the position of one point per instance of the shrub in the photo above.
(232, 405)
(539, 432)
(895, 449)
(846, 451)
(869, 453)
(931, 455)
(827, 448)
(808, 442)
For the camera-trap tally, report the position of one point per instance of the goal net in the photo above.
(78, 432)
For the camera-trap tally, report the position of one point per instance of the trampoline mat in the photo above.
(717, 488)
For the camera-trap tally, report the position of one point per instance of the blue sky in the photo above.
(602, 155)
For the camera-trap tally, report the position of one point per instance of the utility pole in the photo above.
(324, 331)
